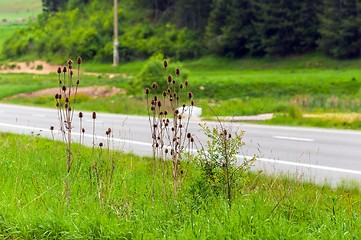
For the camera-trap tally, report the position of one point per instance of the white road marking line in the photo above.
(305, 165)
(295, 138)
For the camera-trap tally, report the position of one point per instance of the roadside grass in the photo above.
(32, 203)
(312, 83)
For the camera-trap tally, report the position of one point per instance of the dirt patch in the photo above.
(92, 91)
(36, 67)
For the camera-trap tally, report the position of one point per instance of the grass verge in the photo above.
(32, 203)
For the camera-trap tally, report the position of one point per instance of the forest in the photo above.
(184, 29)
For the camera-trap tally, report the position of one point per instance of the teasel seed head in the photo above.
(80, 114)
(165, 113)
(177, 71)
(57, 104)
(165, 63)
(77, 82)
(176, 112)
(181, 86)
(59, 70)
(173, 81)
(152, 108)
(101, 144)
(180, 117)
(64, 69)
(70, 62)
(94, 115)
(109, 130)
(170, 78)
(66, 100)
(83, 130)
(71, 73)
(159, 103)
(164, 93)
(189, 135)
(155, 99)
(56, 96)
(51, 128)
(154, 85)
(192, 139)
(79, 60)
(166, 150)
(64, 88)
(190, 95)
(147, 91)
(192, 103)
(66, 105)
(184, 106)
(180, 125)
(229, 135)
(186, 82)
(60, 82)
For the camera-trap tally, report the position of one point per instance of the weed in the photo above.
(169, 113)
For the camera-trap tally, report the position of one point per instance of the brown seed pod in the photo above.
(154, 85)
(51, 128)
(94, 115)
(83, 130)
(101, 144)
(147, 91)
(177, 71)
(77, 82)
(165, 63)
(159, 104)
(170, 78)
(192, 103)
(70, 62)
(181, 86)
(64, 70)
(71, 73)
(80, 114)
(56, 96)
(164, 93)
(186, 82)
(59, 70)
(79, 60)
(165, 113)
(63, 88)
(109, 130)
(190, 95)
(189, 135)
(192, 139)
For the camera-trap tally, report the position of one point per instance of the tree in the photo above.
(238, 30)
(53, 5)
(340, 28)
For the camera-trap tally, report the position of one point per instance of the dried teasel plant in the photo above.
(65, 100)
(169, 112)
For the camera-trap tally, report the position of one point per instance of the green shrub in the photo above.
(153, 71)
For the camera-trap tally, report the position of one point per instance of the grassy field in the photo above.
(32, 203)
(19, 11)
(306, 85)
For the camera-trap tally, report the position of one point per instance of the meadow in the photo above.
(32, 203)
(306, 90)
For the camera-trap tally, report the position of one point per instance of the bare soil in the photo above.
(41, 67)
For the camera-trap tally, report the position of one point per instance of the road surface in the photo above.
(308, 153)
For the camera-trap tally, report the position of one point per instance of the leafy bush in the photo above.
(154, 72)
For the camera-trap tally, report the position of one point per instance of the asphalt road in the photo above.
(308, 153)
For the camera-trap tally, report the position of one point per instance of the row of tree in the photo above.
(190, 28)
(268, 27)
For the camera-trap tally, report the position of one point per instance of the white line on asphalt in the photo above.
(295, 138)
(297, 164)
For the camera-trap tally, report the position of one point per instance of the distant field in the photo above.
(18, 11)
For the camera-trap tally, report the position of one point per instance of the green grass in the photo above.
(19, 11)
(32, 203)
(229, 87)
